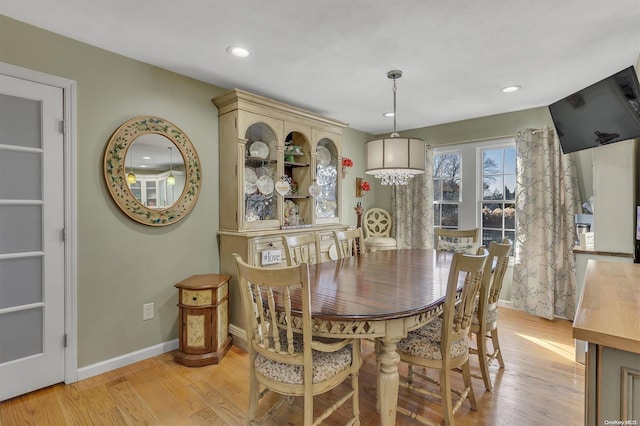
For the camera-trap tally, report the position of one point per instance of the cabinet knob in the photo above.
(194, 298)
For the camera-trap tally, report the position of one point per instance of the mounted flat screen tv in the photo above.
(603, 113)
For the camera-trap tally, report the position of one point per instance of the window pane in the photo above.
(510, 160)
(491, 215)
(510, 187)
(449, 215)
(510, 216)
(436, 215)
(492, 161)
(492, 187)
(512, 236)
(491, 235)
(450, 190)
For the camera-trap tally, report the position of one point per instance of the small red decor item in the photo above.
(362, 187)
(346, 165)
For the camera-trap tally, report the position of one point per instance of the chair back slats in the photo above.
(494, 273)
(349, 243)
(501, 253)
(456, 319)
(268, 293)
(302, 248)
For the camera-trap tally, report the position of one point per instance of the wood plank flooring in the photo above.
(541, 384)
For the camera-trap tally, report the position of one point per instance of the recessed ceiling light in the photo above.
(510, 89)
(146, 158)
(238, 51)
(388, 114)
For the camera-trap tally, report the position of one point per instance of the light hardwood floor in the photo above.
(541, 385)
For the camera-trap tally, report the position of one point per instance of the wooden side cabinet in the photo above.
(203, 306)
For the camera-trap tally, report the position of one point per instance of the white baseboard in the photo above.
(123, 360)
(505, 303)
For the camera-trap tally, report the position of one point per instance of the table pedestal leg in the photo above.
(388, 381)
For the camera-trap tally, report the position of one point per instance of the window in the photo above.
(474, 187)
(498, 212)
(446, 193)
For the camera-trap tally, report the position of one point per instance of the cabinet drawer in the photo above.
(196, 297)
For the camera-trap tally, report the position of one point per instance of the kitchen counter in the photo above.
(608, 311)
(608, 318)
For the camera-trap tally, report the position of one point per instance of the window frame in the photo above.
(470, 203)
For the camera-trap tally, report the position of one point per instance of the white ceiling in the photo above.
(332, 56)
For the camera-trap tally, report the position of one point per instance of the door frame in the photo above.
(70, 207)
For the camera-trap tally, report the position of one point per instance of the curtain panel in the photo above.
(547, 198)
(412, 209)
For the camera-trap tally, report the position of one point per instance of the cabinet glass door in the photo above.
(327, 180)
(259, 177)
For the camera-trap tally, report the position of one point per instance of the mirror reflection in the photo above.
(155, 171)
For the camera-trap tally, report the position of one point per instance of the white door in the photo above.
(31, 236)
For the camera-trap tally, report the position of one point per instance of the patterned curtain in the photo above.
(547, 197)
(412, 209)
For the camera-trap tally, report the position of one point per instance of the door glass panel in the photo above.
(20, 228)
(20, 334)
(20, 175)
(20, 122)
(21, 282)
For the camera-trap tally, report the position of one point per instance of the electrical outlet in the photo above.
(147, 311)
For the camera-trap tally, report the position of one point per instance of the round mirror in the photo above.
(152, 171)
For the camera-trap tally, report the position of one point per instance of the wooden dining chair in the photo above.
(377, 223)
(349, 243)
(302, 248)
(443, 344)
(457, 240)
(289, 361)
(484, 323)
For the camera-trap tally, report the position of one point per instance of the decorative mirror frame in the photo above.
(115, 175)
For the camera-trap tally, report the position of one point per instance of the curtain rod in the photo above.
(475, 140)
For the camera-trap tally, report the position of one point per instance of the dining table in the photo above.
(381, 295)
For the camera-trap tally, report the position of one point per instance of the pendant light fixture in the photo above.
(171, 180)
(131, 177)
(395, 160)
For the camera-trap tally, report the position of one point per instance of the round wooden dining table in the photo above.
(382, 295)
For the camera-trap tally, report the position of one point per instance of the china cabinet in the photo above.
(203, 302)
(279, 174)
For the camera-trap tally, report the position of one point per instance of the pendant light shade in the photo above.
(395, 160)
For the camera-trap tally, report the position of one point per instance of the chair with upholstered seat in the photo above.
(302, 248)
(377, 230)
(457, 240)
(443, 344)
(286, 360)
(485, 322)
(349, 243)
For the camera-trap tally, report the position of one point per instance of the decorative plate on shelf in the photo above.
(250, 175)
(259, 149)
(323, 155)
(265, 185)
(250, 188)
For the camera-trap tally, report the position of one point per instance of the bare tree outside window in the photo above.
(446, 183)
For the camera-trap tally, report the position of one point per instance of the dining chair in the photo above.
(349, 243)
(443, 344)
(457, 240)
(289, 361)
(377, 225)
(302, 248)
(484, 324)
